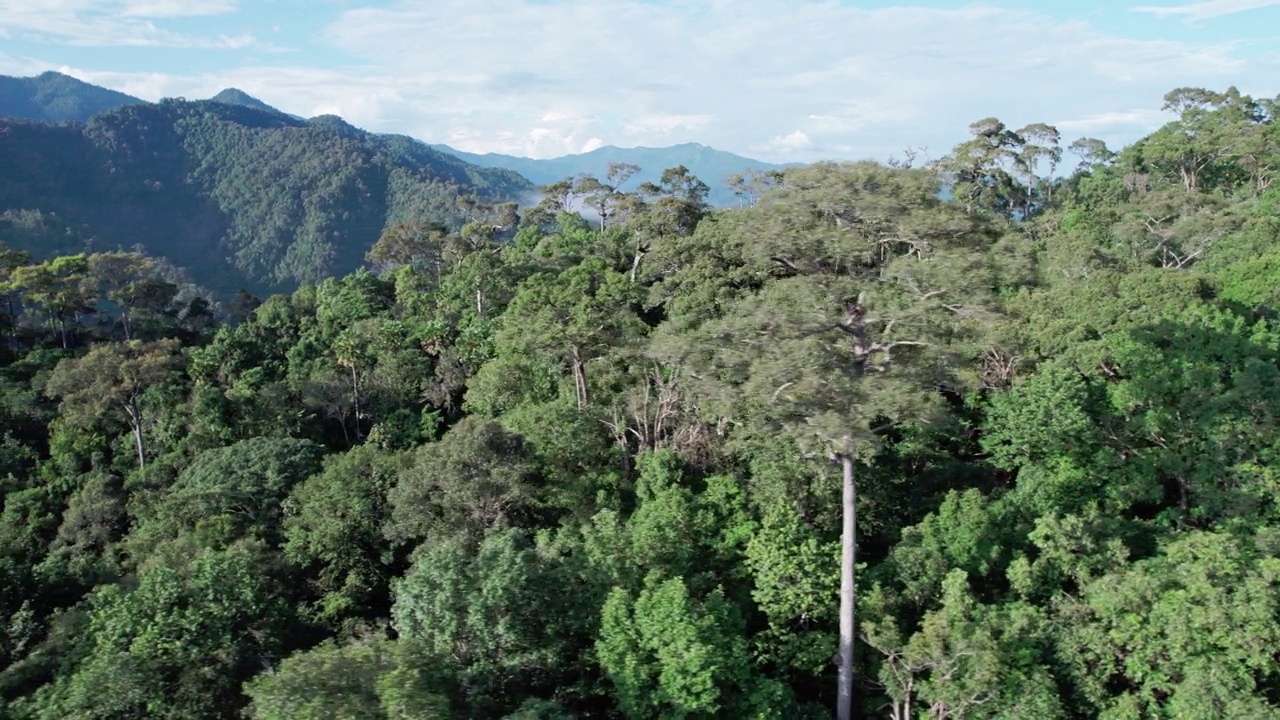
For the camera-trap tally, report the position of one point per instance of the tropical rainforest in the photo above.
(239, 197)
(984, 436)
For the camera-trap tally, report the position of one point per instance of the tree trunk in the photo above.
(355, 398)
(635, 265)
(848, 558)
(135, 421)
(13, 323)
(579, 379)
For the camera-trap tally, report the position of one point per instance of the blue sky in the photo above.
(783, 80)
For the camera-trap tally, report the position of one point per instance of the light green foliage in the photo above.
(174, 646)
(794, 580)
(500, 613)
(1188, 633)
(671, 654)
(366, 679)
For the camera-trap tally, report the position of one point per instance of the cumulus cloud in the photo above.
(791, 143)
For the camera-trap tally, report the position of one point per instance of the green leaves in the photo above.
(477, 477)
(668, 653)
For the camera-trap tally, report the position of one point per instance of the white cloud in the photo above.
(866, 82)
(791, 143)
(113, 23)
(1133, 121)
(175, 8)
(660, 124)
(1206, 10)
(816, 79)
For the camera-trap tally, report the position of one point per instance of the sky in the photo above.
(777, 80)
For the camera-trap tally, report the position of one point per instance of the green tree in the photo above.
(370, 678)
(478, 476)
(129, 280)
(880, 285)
(577, 315)
(332, 528)
(61, 286)
(109, 381)
(177, 645)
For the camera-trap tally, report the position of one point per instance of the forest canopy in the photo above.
(541, 465)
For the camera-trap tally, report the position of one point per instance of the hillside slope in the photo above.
(240, 196)
(54, 97)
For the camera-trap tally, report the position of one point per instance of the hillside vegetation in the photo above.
(238, 196)
(54, 97)
(641, 465)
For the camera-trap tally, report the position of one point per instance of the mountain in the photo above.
(54, 97)
(237, 195)
(236, 96)
(708, 164)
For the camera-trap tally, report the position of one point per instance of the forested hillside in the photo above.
(240, 197)
(604, 468)
(54, 97)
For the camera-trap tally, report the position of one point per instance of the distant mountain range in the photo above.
(708, 164)
(56, 97)
(244, 195)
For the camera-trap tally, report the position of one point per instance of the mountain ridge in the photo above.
(707, 163)
(241, 197)
(54, 97)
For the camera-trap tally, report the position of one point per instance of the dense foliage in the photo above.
(54, 97)
(596, 469)
(238, 196)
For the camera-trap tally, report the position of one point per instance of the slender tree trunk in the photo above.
(13, 323)
(635, 265)
(135, 420)
(579, 379)
(848, 558)
(355, 398)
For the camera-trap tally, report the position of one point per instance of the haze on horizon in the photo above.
(800, 80)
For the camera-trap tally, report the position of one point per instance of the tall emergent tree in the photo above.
(875, 286)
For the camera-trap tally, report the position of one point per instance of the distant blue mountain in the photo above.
(708, 164)
(54, 97)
